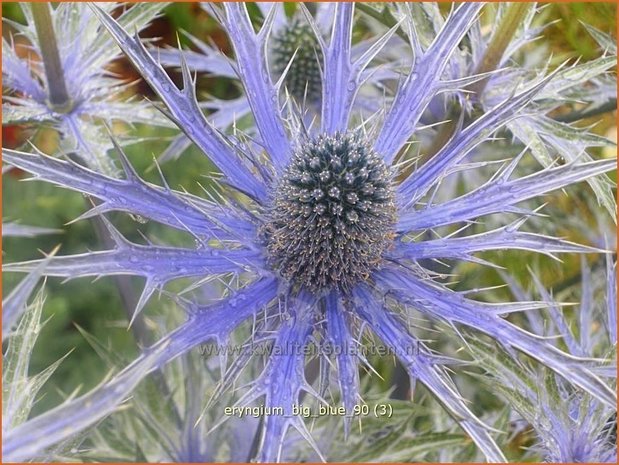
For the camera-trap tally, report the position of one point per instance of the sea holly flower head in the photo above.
(66, 81)
(297, 46)
(340, 191)
(319, 232)
(569, 425)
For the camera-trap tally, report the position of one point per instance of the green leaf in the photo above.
(573, 134)
(16, 401)
(528, 134)
(540, 133)
(602, 185)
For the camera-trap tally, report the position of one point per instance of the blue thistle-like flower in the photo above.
(340, 190)
(69, 84)
(319, 232)
(296, 45)
(571, 426)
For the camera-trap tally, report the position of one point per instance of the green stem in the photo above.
(606, 107)
(384, 16)
(58, 96)
(499, 41)
(497, 45)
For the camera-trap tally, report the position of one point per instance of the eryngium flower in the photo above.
(297, 46)
(570, 426)
(291, 191)
(340, 191)
(79, 90)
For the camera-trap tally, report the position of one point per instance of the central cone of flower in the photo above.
(333, 214)
(303, 79)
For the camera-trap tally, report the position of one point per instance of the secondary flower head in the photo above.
(296, 45)
(65, 79)
(570, 426)
(324, 231)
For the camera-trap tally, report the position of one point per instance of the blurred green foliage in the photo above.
(569, 35)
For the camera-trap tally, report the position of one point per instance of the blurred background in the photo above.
(98, 307)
